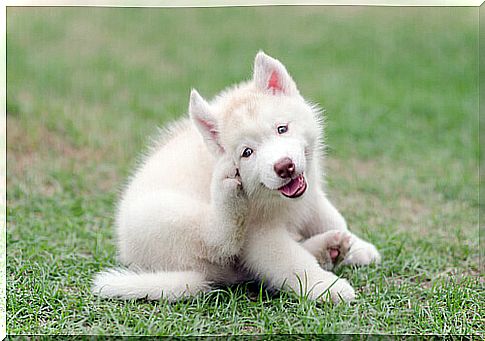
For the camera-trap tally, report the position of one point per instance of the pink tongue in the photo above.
(292, 187)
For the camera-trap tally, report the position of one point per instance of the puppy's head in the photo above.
(272, 133)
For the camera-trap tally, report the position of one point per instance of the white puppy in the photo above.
(234, 193)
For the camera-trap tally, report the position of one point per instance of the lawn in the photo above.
(88, 87)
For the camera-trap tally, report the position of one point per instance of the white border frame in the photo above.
(138, 3)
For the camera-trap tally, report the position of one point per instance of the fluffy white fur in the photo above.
(198, 212)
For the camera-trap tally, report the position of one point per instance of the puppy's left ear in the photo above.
(201, 114)
(271, 76)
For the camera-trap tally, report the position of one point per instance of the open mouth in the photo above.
(295, 188)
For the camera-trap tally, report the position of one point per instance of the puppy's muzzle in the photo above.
(284, 168)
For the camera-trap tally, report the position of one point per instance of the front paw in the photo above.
(335, 250)
(329, 248)
(338, 290)
(361, 253)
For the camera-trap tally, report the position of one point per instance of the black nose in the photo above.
(285, 168)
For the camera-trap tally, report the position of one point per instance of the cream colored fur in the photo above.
(197, 213)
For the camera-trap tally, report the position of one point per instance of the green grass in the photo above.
(88, 86)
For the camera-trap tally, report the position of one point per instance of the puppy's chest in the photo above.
(290, 214)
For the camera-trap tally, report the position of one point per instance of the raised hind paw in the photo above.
(226, 181)
(228, 196)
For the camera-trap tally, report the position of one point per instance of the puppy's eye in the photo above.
(247, 152)
(282, 129)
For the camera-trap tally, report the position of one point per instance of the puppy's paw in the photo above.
(228, 196)
(226, 181)
(329, 248)
(232, 186)
(335, 249)
(361, 253)
(339, 290)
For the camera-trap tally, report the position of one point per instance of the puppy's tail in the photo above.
(127, 284)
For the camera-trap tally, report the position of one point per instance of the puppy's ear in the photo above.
(271, 76)
(200, 112)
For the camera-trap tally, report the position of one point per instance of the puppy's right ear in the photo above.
(200, 112)
(270, 76)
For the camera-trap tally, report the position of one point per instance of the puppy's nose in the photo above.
(285, 168)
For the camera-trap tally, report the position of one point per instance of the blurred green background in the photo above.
(87, 87)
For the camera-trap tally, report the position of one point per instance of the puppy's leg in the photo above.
(273, 255)
(226, 226)
(327, 218)
(170, 230)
